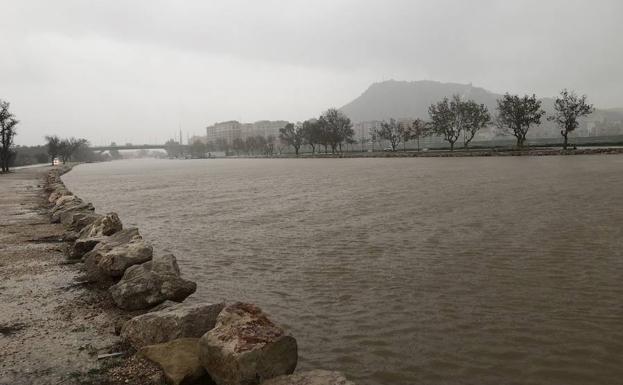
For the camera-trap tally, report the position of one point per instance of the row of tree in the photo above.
(69, 149)
(254, 145)
(452, 119)
(332, 130)
(456, 118)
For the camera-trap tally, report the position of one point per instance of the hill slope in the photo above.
(402, 99)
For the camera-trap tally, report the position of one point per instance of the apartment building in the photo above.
(233, 129)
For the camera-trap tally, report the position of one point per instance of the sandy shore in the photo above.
(53, 326)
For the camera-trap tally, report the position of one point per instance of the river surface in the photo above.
(503, 270)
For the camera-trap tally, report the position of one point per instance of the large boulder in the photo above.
(65, 199)
(173, 322)
(111, 256)
(74, 205)
(78, 220)
(58, 192)
(93, 233)
(105, 225)
(150, 284)
(246, 348)
(179, 360)
(81, 246)
(311, 377)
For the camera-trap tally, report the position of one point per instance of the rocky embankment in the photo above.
(224, 343)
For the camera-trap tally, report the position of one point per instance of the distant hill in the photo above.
(403, 99)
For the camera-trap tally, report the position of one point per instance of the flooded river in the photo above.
(400, 271)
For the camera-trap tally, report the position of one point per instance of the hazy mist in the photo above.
(136, 71)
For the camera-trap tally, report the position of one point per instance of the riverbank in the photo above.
(53, 324)
(92, 303)
(458, 153)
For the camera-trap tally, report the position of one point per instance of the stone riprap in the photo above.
(246, 348)
(103, 225)
(76, 221)
(89, 235)
(177, 321)
(151, 283)
(238, 344)
(111, 256)
(179, 360)
(75, 205)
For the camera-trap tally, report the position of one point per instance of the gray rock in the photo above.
(57, 193)
(94, 232)
(105, 225)
(179, 360)
(65, 199)
(70, 236)
(81, 246)
(71, 206)
(111, 256)
(162, 306)
(246, 348)
(177, 321)
(77, 220)
(150, 284)
(311, 377)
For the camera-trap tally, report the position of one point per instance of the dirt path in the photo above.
(51, 328)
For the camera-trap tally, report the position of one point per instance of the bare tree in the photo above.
(390, 131)
(406, 134)
(69, 147)
(475, 117)
(516, 114)
(53, 146)
(292, 135)
(569, 107)
(451, 118)
(312, 133)
(7, 133)
(373, 138)
(445, 120)
(337, 128)
(418, 130)
(270, 145)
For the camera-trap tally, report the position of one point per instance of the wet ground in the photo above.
(52, 327)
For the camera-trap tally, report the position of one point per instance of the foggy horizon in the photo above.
(114, 71)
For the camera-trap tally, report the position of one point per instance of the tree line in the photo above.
(69, 149)
(331, 130)
(453, 119)
(254, 145)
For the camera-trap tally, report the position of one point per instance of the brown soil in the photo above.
(53, 325)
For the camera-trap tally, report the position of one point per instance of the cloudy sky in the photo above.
(135, 71)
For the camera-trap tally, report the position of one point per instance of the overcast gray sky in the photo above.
(133, 71)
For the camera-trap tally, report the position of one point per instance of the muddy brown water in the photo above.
(400, 271)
